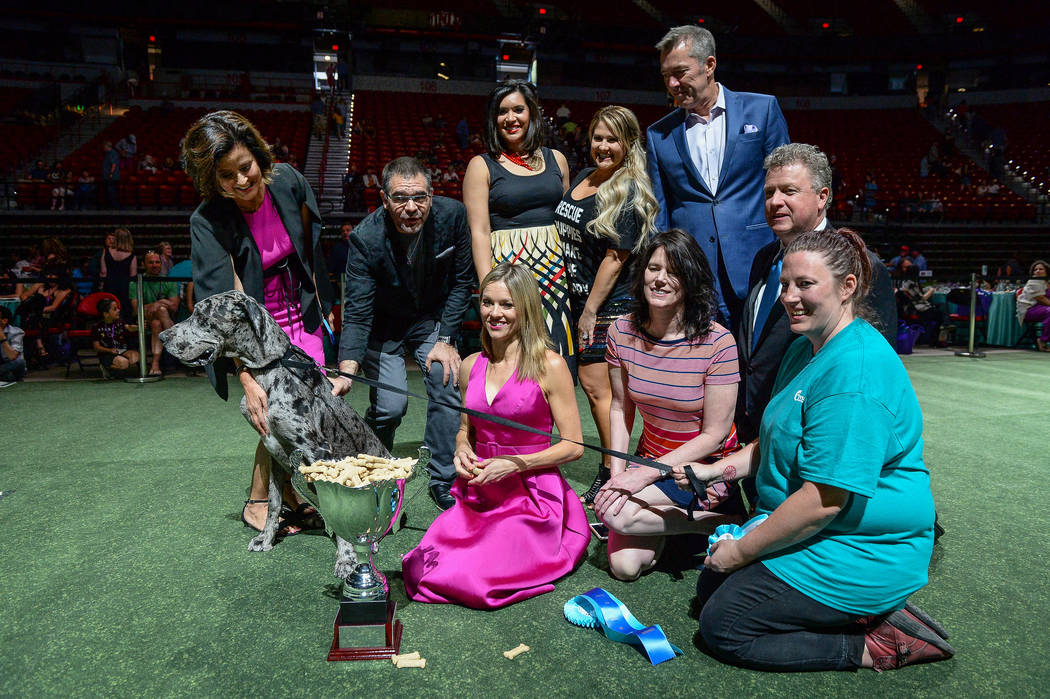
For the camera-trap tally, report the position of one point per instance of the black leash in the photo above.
(699, 486)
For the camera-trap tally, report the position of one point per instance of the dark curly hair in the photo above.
(689, 264)
(211, 139)
(535, 135)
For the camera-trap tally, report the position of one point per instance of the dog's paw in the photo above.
(260, 543)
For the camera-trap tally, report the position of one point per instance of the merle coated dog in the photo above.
(303, 414)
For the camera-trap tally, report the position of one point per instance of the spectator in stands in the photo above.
(1033, 304)
(56, 175)
(46, 306)
(719, 201)
(109, 338)
(913, 301)
(450, 176)
(86, 191)
(38, 172)
(169, 165)
(871, 188)
(510, 192)
(127, 148)
(463, 133)
(924, 166)
(148, 164)
(606, 215)
(167, 257)
(439, 121)
(12, 361)
(55, 253)
(894, 263)
(82, 277)
(353, 190)
(918, 259)
(370, 179)
(61, 193)
(118, 266)
(1011, 268)
(317, 109)
(670, 332)
(408, 285)
(246, 198)
(110, 176)
(427, 121)
(841, 475)
(160, 301)
(337, 255)
(563, 113)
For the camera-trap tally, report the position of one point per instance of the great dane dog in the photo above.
(302, 412)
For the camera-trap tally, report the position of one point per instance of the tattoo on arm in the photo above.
(729, 474)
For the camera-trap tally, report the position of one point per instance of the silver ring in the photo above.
(585, 336)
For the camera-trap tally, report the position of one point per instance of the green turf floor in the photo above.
(124, 567)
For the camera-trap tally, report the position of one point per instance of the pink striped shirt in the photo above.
(666, 381)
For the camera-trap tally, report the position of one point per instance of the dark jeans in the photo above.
(13, 370)
(387, 408)
(757, 620)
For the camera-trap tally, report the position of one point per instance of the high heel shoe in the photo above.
(284, 527)
(600, 479)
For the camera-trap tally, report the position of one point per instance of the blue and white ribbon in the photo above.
(598, 608)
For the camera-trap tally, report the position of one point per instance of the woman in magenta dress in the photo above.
(517, 525)
(258, 230)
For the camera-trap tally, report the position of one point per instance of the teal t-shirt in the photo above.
(848, 417)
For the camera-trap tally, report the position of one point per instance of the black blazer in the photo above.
(218, 232)
(759, 367)
(386, 295)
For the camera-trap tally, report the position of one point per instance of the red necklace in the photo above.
(517, 160)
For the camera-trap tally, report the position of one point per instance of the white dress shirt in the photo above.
(706, 139)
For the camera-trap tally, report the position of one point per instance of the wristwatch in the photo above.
(447, 339)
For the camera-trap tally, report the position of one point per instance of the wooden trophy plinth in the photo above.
(366, 630)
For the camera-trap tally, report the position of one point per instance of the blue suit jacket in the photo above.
(734, 219)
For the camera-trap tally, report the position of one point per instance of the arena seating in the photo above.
(1027, 146)
(159, 131)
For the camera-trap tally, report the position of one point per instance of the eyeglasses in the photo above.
(400, 200)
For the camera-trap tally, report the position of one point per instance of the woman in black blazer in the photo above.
(258, 230)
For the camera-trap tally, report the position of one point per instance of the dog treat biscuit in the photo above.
(395, 659)
(515, 652)
(417, 662)
(356, 471)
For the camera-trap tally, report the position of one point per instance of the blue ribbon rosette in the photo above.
(598, 608)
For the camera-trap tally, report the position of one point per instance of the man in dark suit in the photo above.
(705, 161)
(409, 276)
(797, 194)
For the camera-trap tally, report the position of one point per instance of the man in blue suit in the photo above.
(705, 161)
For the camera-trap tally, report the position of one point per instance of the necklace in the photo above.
(517, 160)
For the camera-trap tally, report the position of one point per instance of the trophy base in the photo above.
(376, 641)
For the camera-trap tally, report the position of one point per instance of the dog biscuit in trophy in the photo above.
(355, 471)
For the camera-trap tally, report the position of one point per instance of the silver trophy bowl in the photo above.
(361, 516)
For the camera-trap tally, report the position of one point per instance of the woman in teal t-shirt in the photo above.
(823, 583)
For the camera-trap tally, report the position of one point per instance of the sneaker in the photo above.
(902, 639)
(5, 384)
(600, 479)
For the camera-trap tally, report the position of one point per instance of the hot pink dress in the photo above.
(280, 292)
(507, 541)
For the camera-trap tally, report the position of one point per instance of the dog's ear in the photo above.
(271, 341)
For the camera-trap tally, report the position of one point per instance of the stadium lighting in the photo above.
(918, 66)
(825, 25)
(958, 20)
(543, 10)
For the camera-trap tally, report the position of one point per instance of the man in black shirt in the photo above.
(409, 277)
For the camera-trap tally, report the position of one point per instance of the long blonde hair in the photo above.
(630, 185)
(533, 339)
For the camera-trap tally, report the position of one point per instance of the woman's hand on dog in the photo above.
(255, 401)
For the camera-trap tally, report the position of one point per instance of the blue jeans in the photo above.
(757, 620)
(387, 408)
(12, 370)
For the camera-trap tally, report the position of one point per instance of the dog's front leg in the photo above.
(264, 541)
(345, 558)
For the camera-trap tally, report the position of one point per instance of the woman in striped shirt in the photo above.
(671, 361)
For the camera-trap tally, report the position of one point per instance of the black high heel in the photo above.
(600, 479)
(286, 526)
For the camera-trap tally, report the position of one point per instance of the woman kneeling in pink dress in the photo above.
(517, 525)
